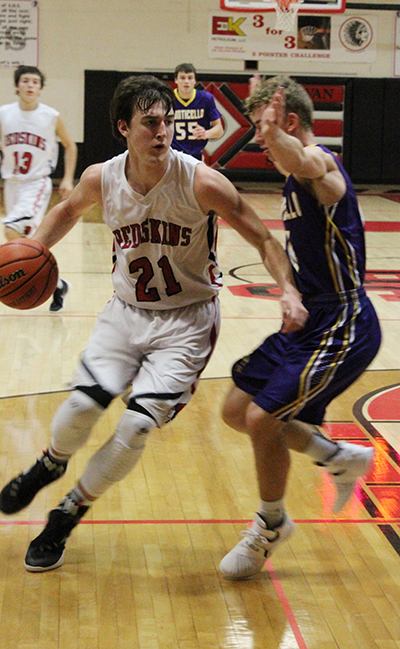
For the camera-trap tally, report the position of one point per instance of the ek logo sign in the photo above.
(227, 26)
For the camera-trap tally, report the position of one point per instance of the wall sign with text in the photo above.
(314, 38)
(18, 33)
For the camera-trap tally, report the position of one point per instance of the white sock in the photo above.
(72, 501)
(272, 512)
(56, 457)
(320, 448)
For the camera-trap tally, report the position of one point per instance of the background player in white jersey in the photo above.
(159, 329)
(29, 134)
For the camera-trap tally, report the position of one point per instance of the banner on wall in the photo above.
(18, 33)
(315, 38)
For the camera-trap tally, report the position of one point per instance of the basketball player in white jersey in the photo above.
(159, 329)
(29, 135)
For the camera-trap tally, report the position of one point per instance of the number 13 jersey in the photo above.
(28, 141)
(164, 245)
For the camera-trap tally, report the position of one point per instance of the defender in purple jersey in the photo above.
(282, 389)
(197, 119)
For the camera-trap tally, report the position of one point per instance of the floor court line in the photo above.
(286, 606)
(299, 521)
(369, 226)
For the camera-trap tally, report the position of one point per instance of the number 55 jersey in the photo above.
(199, 110)
(164, 245)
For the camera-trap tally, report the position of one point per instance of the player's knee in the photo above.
(96, 392)
(231, 416)
(84, 405)
(73, 422)
(234, 413)
(133, 430)
(260, 424)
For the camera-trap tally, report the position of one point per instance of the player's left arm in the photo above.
(313, 167)
(216, 193)
(310, 165)
(215, 131)
(213, 115)
(70, 158)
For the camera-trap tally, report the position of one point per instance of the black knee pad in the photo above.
(96, 392)
(136, 407)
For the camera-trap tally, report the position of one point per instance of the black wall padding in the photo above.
(99, 141)
(366, 118)
(391, 132)
(371, 138)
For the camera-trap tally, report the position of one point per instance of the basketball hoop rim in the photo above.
(287, 5)
(227, 5)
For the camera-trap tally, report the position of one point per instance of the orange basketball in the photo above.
(28, 273)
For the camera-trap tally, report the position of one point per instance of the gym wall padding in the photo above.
(369, 109)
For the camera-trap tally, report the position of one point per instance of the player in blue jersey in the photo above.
(197, 119)
(282, 389)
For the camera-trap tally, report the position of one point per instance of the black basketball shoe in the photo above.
(46, 552)
(18, 493)
(58, 297)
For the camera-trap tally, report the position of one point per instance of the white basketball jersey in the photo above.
(28, 141)
(164, 245)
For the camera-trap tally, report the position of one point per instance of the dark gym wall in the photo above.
(365, 114)
(371, 132)
(391, 131)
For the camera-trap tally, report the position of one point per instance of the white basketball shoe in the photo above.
(348, 464)
(249, 556)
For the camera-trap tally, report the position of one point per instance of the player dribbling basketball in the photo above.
(160, 327)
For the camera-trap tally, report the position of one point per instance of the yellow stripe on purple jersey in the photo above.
(297, 375)
(326, 245)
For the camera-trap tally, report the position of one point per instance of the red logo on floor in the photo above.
(384, 282)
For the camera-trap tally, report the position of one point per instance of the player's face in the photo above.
(185, 81)
(150, 134)
(256, 119)
(29, 88)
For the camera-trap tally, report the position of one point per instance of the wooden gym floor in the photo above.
(141, 571)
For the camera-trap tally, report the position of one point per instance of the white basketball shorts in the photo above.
(159, 353)
(26, 204)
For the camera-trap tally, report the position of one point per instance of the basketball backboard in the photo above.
(306, 6)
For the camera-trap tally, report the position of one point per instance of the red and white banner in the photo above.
(236, 149)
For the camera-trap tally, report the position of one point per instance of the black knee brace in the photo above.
(96, 392)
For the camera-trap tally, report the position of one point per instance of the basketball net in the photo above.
(286, 12)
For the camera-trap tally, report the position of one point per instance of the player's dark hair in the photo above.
(184, 67)
(138, 93)
(28, 69)
(297, 98)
